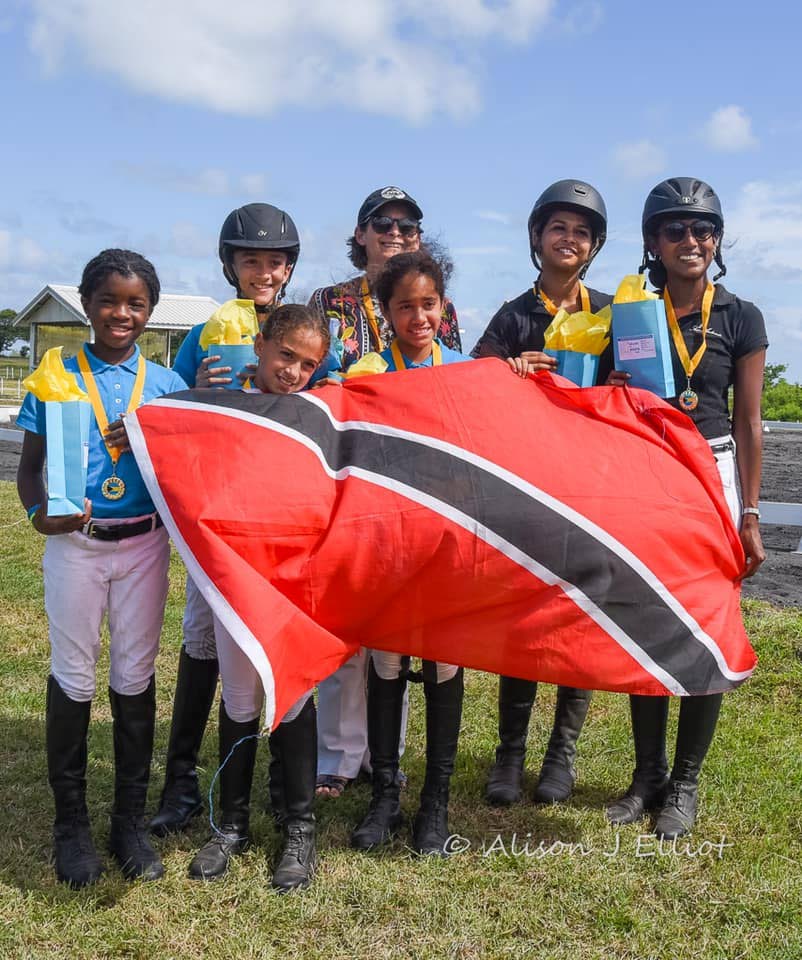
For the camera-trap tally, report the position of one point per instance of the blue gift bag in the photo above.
(642, 346)
(234, 355)
(579, 368)
(67, 426)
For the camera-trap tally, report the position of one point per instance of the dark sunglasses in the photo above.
(674, 231)
(406, 226)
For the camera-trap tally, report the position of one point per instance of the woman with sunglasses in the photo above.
(719, 342)
(567, 228)
(388, 223)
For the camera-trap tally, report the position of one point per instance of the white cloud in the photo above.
(494, 216)
(585, 18)
(382, 56)
(189, 240)
(19, 254)
(729, 129)
(639, 159)
(210, 181)
(766, 226)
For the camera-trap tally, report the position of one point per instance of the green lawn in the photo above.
(733, 890)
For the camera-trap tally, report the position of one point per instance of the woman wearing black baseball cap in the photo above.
(388, 223)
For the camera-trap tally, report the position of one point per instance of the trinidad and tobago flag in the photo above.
(460, 514)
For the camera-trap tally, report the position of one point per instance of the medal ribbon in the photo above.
(689, 364)
(367, 302)
(97, 403)
(398, 357)
(551, 307)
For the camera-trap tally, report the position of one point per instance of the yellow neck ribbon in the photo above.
(398, 357)
(97, 403)
(689, 364)
(552, 307)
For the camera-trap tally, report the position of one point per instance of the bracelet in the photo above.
(751, 510)
(31, 511)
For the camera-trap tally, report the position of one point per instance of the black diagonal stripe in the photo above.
(537, 530)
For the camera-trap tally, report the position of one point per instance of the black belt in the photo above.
(98, 530)
(727, 447)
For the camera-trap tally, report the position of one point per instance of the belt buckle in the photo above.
(88, 530)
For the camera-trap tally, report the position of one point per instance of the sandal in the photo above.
(329, 785)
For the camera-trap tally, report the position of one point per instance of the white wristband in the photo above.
(752, 510)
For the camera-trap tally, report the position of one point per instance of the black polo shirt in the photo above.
(735, 330)
(519, 325)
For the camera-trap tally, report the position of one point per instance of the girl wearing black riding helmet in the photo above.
(388, 223)
(258, 248)
(718, 342)
(567, 228)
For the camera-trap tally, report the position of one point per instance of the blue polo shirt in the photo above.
(115, 381)
(189, 355)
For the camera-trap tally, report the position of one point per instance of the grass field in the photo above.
(572, 887)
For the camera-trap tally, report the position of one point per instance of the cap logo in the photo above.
(686, 199)
(262, 233)
(392, 193)
(580, 190)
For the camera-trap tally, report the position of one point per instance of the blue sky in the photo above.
(143, 124)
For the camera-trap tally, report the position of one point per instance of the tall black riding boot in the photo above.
(698, 717)
(66, 725)
(134, 720)
(557, 775)
(236, 777)
(443, 714)
(650, 777)
(194, 692)
(385, 701)
(293, 745)
(515, 701)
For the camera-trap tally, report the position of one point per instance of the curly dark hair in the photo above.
(289, 317)
(399, 266)
(127, 264)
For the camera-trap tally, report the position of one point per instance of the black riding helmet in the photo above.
(681, 197)
(258, 226)
(571, 195)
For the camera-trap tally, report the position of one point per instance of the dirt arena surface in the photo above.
(778, 580)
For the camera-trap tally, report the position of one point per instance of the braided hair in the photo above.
(127, 264)
(289, 317)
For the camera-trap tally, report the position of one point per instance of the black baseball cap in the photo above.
(379, 198)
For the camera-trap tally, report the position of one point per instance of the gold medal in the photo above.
(113, 487)
(688, 399)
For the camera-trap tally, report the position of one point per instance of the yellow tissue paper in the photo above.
(51, 381)
(234, 322)
(582, 332)
(370, 364)
(632, 289)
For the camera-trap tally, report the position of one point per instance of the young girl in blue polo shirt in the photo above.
(411, 291)
(112, 558)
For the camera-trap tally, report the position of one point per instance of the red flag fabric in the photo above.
(460, 514)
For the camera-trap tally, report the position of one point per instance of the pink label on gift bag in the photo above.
(636, 348)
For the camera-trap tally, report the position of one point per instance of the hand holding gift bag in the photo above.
(229, 334)
(67, 413)
(577, 340)
(640, 337)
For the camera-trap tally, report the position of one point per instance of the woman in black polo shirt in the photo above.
(567, 228)
(719, 342)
